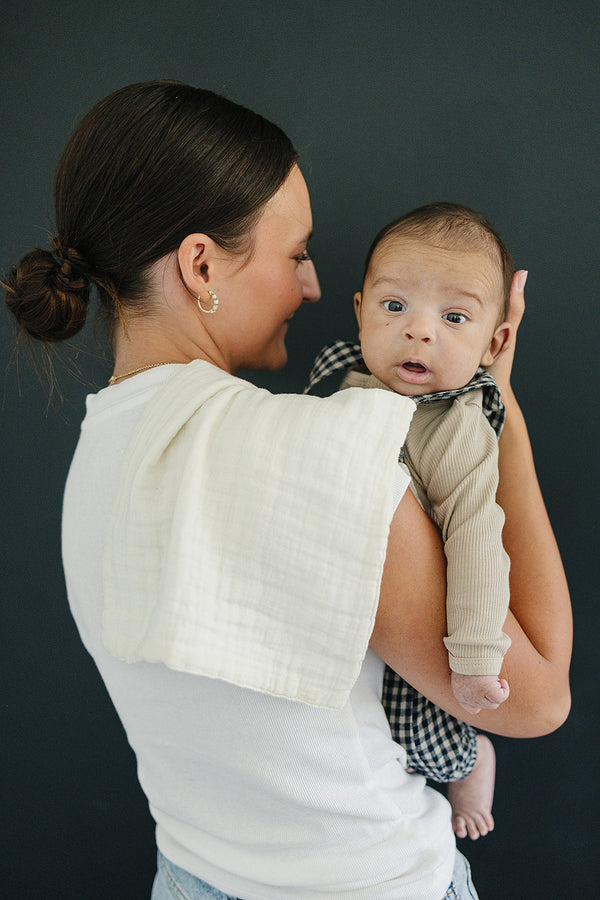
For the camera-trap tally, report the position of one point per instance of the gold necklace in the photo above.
(114, 378)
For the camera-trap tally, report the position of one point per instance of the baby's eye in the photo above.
(455, 318)
(304, 257)
(393, 305)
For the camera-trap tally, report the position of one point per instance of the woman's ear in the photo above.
(499, 343)
(357, 308)
(195, 256)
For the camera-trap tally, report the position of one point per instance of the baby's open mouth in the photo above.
(413, 372)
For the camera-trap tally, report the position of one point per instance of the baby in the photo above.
(431, 312)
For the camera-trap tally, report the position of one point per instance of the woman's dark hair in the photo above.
(453, 226)
(148, 165)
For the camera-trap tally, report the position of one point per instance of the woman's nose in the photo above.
(311, 289)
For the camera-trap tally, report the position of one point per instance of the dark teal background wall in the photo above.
(393, 104)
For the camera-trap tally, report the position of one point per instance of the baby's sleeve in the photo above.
(452, 453)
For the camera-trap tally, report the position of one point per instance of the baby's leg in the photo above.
(437, 745)
(471, 797)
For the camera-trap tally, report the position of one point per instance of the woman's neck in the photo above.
(145, 343)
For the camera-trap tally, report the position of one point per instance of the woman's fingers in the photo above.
(502, 366)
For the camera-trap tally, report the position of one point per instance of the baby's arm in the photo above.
(452, 453)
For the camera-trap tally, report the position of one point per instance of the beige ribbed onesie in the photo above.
(452, 453)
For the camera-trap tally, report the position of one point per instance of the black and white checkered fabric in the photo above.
(334, 356)
(437, 745)
(343, 354)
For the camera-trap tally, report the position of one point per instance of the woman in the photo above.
(239, 622)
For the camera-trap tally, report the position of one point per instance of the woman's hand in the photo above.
(502, 366)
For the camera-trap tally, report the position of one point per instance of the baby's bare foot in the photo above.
(476, 692)
(471, 797)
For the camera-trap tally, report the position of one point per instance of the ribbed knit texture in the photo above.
(452, 454)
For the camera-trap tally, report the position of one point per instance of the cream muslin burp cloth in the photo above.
(249, 532)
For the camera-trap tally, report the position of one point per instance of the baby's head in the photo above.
(434, 299)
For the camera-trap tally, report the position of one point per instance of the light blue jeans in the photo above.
(461, 887)
(173, 883)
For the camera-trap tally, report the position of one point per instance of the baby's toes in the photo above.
(459, 826)
(473, 829)
(488, 821)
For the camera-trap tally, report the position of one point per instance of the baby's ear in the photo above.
(499, 342)
(357, 308)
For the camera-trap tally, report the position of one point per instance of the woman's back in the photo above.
(260, 796)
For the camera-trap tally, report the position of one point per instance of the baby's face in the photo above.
(428, 316)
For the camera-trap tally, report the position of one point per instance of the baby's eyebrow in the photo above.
(455, 293)
(386, 279)
(452, 291)
(468, 295)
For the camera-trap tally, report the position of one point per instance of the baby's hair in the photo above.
(451, 226)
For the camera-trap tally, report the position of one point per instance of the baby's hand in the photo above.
(477, 692)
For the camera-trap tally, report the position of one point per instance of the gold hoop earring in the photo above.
(213, 308)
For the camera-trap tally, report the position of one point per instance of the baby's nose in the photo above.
(419, 328)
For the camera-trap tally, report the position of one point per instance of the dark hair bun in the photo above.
(48, 297)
